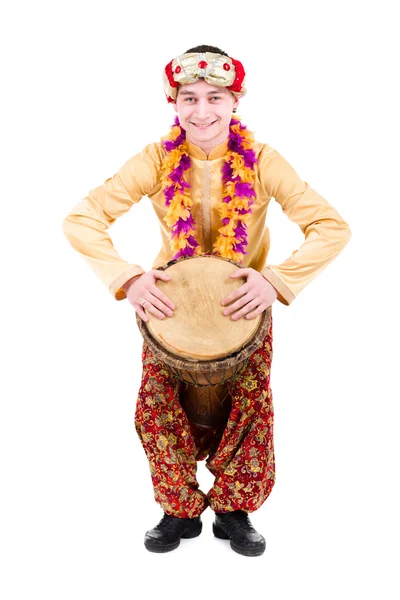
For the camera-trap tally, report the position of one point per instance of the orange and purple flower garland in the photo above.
(238, 192)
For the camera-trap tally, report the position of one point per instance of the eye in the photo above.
(213, 97)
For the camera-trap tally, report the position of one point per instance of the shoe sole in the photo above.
(219, 533)
(168, 547)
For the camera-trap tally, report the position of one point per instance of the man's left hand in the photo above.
(252, 298)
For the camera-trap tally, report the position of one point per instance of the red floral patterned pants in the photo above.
(240, 454)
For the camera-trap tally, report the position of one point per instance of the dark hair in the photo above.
(204, 48)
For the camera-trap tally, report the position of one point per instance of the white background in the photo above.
(82, 92)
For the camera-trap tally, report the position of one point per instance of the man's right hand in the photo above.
(142, 289)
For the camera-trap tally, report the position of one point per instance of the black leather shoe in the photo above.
(167, 534)
(236, 527)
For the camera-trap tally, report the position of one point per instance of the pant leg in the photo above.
(244, 461)
(171, 444)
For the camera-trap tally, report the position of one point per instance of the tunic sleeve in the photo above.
(326, 232)
(86, 225)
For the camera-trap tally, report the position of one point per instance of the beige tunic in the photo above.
(325, 231)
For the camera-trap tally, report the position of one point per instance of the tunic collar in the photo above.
(216, 152)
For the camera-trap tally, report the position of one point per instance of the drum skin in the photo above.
(200, 345)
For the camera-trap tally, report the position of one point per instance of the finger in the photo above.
(248, 308)
(240, 272)
(154, 311)
(157, 293)
(162, 275)
(257, 312)
(157, 303)
(236, 294)
(243, 300)
(141, 313)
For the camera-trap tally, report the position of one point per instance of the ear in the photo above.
(235, 103)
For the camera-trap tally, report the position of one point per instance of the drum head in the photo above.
(198, 329)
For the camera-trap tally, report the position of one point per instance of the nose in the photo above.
(202, 111)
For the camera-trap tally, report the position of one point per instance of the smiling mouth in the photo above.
(203, 126)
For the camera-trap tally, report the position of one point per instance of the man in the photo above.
(208, 164)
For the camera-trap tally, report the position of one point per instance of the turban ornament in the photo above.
(216, 69)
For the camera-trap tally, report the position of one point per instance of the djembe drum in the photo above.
(200, 345)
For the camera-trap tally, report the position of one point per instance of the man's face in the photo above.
(205, 112)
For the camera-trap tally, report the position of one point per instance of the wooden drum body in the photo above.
(200, 345)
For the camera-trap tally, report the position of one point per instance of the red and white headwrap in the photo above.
(216, 69)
